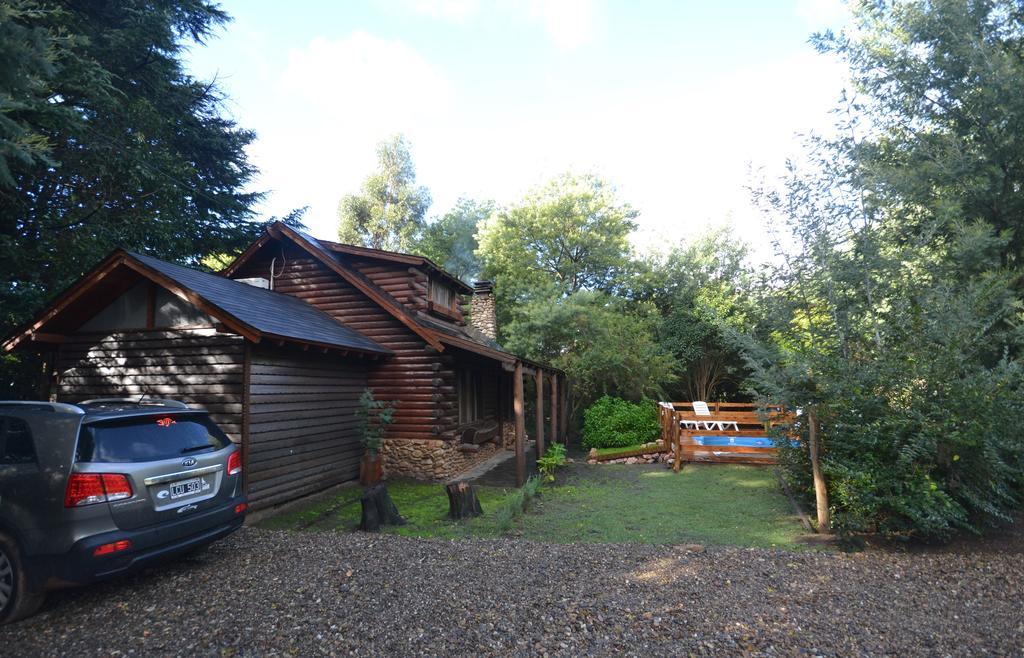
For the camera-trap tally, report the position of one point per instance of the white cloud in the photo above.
(453, 11)
(569, 23)
(679, 153)
(680, 156)
(823, 14)
(334, 102)
(373, 80)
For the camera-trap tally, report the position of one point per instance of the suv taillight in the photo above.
(235, 463)
(91, 488)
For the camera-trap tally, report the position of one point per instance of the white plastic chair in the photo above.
(701, 409)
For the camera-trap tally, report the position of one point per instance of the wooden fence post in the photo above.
(677, 448)
(517, 405)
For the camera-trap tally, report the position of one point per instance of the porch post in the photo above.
(517, 406)
(565, 410)
(553, 382)
(538, 381)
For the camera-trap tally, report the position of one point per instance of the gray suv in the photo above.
(104, 487)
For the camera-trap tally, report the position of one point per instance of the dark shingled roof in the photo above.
(268, 312)
(467, 332)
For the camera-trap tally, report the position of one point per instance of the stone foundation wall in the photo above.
(655, 456)
(431, 460)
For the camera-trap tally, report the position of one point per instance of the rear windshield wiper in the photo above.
(195, 448)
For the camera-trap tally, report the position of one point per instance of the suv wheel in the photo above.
(16, 601)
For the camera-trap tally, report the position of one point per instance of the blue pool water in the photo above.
(748, 441)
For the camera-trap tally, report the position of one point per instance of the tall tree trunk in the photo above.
(820, 491)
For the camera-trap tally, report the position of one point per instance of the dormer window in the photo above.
(441, 294)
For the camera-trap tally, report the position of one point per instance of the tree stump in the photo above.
(378, 509)
(462, 501)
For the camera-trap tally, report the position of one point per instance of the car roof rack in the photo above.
(120, 403)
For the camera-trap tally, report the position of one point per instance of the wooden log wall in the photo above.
(200, 368)
(303, 429)
(422, 379)
(406, 284)
(409, 285)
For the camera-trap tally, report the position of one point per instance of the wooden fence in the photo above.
(746, 420)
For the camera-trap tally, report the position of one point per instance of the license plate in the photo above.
(186, 487)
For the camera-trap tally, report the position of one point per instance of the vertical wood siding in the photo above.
(202, 369)
(303, 433)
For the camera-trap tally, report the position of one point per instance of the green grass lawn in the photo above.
(611, 452)
(722, 504)
(423, 505)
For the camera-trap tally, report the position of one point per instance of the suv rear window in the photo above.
(148, 438)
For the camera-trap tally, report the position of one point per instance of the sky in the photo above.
(679, 104)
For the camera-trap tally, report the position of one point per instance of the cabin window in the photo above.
(469, 396)
(440, 294)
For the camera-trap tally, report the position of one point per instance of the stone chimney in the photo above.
(483, 316)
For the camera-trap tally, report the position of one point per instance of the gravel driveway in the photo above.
(269, 592)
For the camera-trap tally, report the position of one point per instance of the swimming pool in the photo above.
(746, 441)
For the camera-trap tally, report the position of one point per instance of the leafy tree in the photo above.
(898, 311)
(606, 345)
(106, 141)
(896, 327)
(939, 82)
(450, 240)
(702, 287)
(568, 236)
(557, 259)
(26, 50)
(389, 212)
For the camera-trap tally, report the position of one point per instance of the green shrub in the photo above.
(553, 459)
(515, 504)
(615, 423)
(370, 408)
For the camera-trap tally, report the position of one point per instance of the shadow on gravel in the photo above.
(73, 599)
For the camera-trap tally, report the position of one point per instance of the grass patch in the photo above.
(423, 505)
(724, 504)
(627, 450)
(304, 516)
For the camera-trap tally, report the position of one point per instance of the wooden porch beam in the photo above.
(517, 405)
(554, 408)
(564, 408)
(40, 337)
(538, 383)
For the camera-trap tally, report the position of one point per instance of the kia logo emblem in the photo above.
(191, 461)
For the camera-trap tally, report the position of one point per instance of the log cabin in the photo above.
(279, 346)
